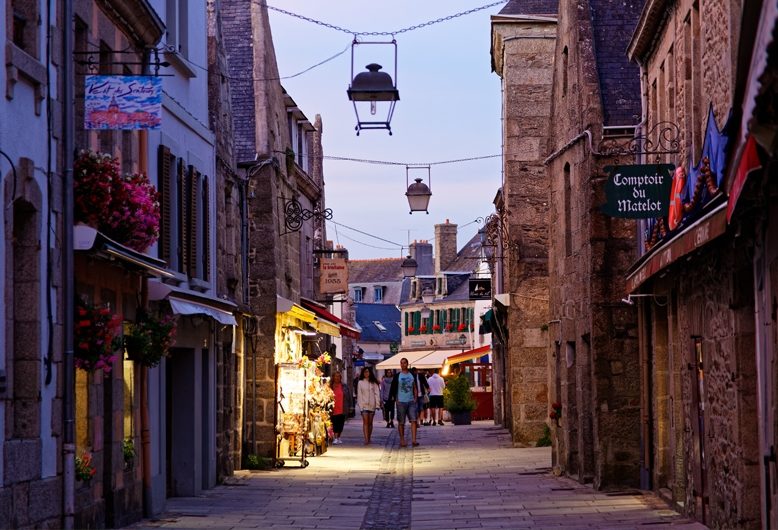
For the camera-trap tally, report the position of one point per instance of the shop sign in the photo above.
(122, 102)
(638, 191)
(333, 275)
(480, 289)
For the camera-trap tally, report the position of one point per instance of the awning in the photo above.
(284, 305)
(184, 302)
(185, 307)
(346, 329)
(469, 355)
(393, 362)
(436, 359)
(88, 239)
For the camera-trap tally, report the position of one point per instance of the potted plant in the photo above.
(125, 208)
(149, 338)
(85, 470)
(128, 450)
(458, 400)
(95, 337)
(436, 328)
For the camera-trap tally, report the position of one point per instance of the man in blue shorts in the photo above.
(404, 393)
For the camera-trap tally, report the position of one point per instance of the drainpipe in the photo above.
(68, 283)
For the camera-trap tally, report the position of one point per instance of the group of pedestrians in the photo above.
(408, 394)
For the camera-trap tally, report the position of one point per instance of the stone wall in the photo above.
(594, 362)
(230, 192)
(523, 55)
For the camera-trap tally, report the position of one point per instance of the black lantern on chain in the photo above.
(418, 193)
(372, 87)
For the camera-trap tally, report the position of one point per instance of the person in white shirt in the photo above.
(436, 384)
(369, 400)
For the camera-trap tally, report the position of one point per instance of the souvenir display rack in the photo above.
(292, 422)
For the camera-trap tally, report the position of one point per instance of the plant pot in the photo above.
(461, 418)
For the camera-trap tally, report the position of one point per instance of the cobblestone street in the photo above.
(458, 477)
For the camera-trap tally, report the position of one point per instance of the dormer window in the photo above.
(441, 286)
(358, 294)
(378, 294)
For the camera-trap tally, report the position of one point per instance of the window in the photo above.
(568, 213)
(23, 25)
(358, 294)
(184, 241)
(380, 326)
(378, 294)
(177, 23)
(564, 71)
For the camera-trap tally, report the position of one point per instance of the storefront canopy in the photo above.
(469, 355)
(346, 329)
(183, 302)
(393, 362)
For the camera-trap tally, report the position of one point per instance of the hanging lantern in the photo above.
(372, 87)
(408, 267)
(418, 193)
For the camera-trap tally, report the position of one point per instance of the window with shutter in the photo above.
(193, 224)
(165, 165)
(183, 214)
(206, 232)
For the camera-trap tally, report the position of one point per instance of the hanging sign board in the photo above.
(333, 275)
(122, 102)
(638, 191)
(480, 289)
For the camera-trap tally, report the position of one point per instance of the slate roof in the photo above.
(613, 22)
(375, 270)
(468, 256)
(387, 314)
(531, 7)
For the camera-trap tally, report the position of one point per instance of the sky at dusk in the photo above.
(449, 109)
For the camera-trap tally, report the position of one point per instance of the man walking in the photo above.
(386, 400)
(436, 384)
(404, 393)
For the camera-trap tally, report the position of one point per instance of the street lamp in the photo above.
(371, 87)
(408, 267)
(418, 193)
(427, 296)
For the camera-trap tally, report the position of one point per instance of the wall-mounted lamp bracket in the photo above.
(295, 214)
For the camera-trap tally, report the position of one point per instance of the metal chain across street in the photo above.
(381, 33)
(390, 163)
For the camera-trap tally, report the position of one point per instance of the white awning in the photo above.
(187, 307)
(183, 302)
(393, 362)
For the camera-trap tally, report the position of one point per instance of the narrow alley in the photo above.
(458, 477)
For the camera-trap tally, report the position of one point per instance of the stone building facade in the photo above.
(704, 385)
(593, 364)
(522, 52)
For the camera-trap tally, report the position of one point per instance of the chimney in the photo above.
(421, 251)
(445, 245)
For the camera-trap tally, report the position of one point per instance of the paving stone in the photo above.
(461, 477)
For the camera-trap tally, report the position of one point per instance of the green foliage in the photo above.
(256, 462)
(128, 449)
(545, 440)
(457, 397)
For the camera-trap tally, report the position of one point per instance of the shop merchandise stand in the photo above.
(292, 414)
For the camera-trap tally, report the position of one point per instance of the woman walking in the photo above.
(369, 400)
(341, 406)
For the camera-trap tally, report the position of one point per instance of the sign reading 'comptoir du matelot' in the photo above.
(638, 191)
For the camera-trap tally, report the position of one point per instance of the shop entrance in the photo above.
(700, 491)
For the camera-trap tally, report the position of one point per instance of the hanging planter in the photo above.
(96, 337)
(124, 208)
(149, 338)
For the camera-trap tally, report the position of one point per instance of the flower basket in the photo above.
(411, 329)
(85, 470)
(124, 208)
(423, 329)
(436, 328)
(449, 327)
(96, 337)
(149, 338)
(461, 327)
